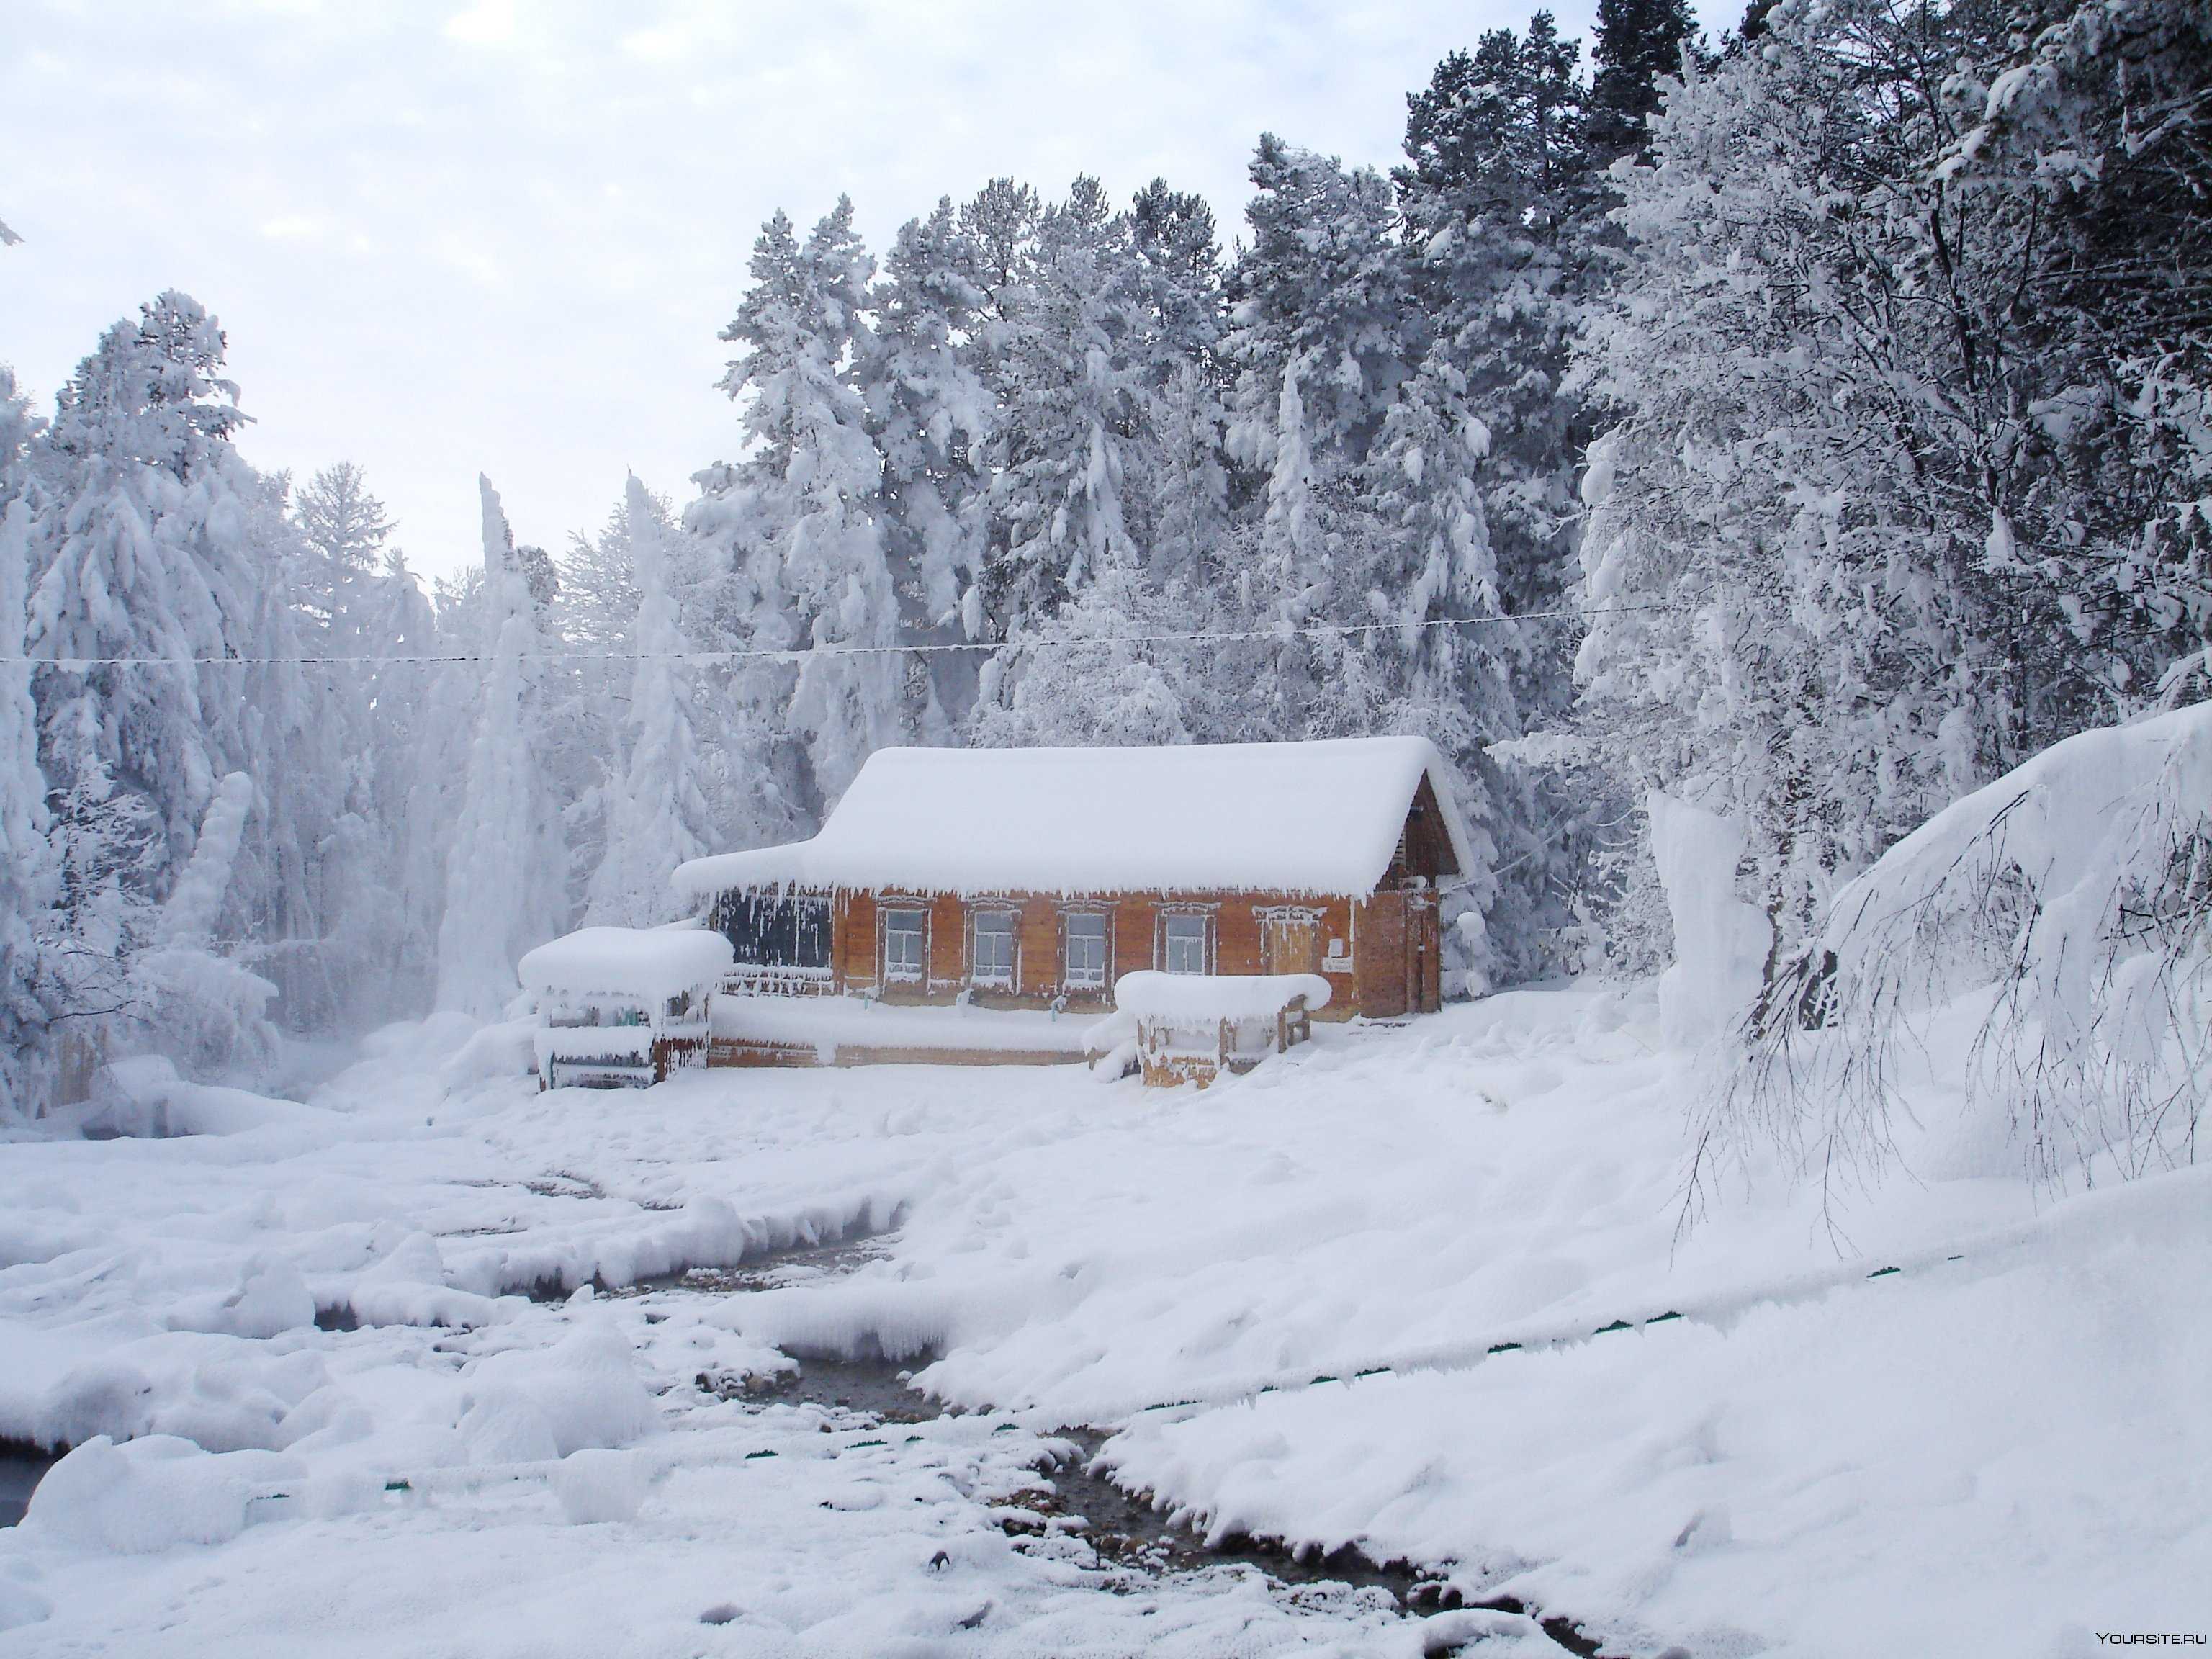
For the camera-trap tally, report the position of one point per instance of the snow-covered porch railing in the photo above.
(621, 1007)
(1190, 1028)
(776, 979)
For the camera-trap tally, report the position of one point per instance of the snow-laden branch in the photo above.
(2071, 899)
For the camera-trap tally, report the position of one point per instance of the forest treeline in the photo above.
(1811, 424)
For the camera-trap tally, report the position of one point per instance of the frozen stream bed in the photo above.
(432, 1363)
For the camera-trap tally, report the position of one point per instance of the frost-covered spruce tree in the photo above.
(794, 519)
(1498, 197)
(1176, 486)
(354, 600)
(147, 577)
(347, 532)
(504, 874)
(933, 418)
(1059, 341)
(1499, 206)
(1321, 348)
(304, 735)
(657, 815)
(27, 875)
(1639, 44)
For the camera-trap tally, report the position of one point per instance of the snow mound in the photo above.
(596, 1484)
(144, 1097)
(536, 1404)
(153, 1494)
(507, 1048)
(271, 1299)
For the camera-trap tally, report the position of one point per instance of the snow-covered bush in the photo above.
(2065, 907)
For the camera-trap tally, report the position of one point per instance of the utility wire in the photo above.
(803, 653)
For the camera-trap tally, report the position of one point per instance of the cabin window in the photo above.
(774, 929)
(906, 944)
(1182, 942)
(1086, 949)
(992, 955)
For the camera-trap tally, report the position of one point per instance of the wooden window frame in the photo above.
(1210, 950)
(885, 909)
(976, 911)
(1103, 986)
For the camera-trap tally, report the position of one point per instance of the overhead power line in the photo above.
(836, 648)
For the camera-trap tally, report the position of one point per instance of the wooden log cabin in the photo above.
(1033, 878)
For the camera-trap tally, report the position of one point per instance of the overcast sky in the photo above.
(446, 238)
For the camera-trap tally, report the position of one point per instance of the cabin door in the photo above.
(1423, 955)
(1290, 943)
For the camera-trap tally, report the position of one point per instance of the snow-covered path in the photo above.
(2000, 1453)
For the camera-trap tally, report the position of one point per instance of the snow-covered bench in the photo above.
(621, 1007)
(1190, 1028)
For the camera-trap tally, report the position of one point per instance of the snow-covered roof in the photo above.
(1319, 817)
(647, 962)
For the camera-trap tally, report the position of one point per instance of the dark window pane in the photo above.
(774, 930)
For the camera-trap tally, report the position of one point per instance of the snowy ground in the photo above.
(2000, 1448)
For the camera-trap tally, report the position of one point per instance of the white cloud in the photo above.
(487, 23)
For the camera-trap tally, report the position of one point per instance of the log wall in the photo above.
(1239, 922)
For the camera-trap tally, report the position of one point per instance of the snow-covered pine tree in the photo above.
(657, 816)
(346, 531)
(1321, 345)
(933, 418)
(794, 520)
(1498, 205)
(1176, 486)
(27, 875)
(1059, 344)
(359, 603)
(1497, 196)
(305, 733)
(1638, 43)
(146, 586)
(505, 876)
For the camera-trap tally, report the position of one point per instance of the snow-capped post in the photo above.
(1721, 942)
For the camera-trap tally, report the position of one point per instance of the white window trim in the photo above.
(1013, 976)
(1209, 948)
(1105, 981)
(884, 911)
